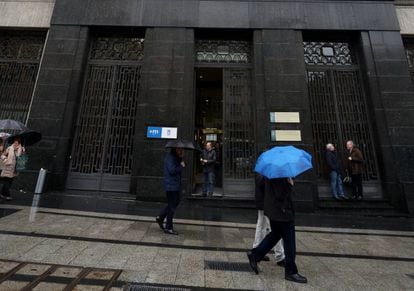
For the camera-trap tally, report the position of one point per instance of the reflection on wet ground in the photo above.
(74, 233)
(192, 210)
(7, 211)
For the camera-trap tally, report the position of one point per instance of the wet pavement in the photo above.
(83, 233)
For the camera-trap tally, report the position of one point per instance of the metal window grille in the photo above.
(106, 124)
(338, 109)
(223, 51)
(239, 145)
(19, 63)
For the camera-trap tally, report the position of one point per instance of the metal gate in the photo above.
(103, 145)
(338, 108)
(19, 64)
(238, 133)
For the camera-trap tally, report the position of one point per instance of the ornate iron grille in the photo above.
(19, 64)
(14, 47)
(239, 149)
(107, 121)
(223, 51)
(329, 53)
(103, 143)
(338, 113)
(409, 52)
(117, 48)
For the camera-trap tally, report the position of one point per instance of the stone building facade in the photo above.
(245, 75)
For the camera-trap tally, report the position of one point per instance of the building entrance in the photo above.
(224, 118)
(338, 109)
(102, 150)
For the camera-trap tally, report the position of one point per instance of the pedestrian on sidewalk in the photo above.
(208, 161)
(355, 168)
(335, 170)
(173, 166)
(278, 206)
(8, 173)
(263, 223)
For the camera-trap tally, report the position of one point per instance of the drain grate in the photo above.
(138, 287)
(227, 266)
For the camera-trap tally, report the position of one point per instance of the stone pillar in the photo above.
(392, 107)
(56, 99)
(166, 99)
(280, 85)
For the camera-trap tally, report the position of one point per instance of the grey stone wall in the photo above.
(297, 14)
(56, 100)
(166, 99)
(26, 13)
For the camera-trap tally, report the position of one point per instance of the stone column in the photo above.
(166, 99)
(280, 85)
(392, 108)
(56, 99)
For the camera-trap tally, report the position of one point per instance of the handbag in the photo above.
(347, 180)
(21, 162)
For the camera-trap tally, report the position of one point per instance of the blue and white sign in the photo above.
(162, 132)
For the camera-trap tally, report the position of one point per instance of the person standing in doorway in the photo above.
(8, 173)
(208, 160)
(355, 167)
(173, 167)
(263, 224)
(335, 170)
(278, 206)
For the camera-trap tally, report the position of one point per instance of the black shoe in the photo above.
(343, 197)
(210, 194)
(360, 198)
(253, 262)
(281, 263)
(160, 222)
(204, 194)
(170, 231)
(297, 278)
(266, 259)
(8, 198)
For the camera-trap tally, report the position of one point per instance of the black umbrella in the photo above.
(189, 145)
(12, 125)
(28, 137)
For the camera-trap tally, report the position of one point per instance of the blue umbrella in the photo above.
(283, 162)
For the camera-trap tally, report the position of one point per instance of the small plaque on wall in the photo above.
(284, 117)
(286, 135)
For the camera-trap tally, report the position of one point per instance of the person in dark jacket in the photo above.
(355, 168)
(208, 161)
(173, 166)
(263, 224)
(335, 170)
(278, 206)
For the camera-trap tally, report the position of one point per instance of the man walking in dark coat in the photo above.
(335, 170)
(278, 206)
(173, 166)
(263, 223)
(208, 160)
(355, 168)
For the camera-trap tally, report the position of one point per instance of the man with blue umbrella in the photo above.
(279, 165)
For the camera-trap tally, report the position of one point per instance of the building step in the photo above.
(371, 207)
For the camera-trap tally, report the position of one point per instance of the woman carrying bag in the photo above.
(8, 173)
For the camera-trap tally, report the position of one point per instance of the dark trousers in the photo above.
(357, 185)
(173, 198)
(6, 185)
(286, 231)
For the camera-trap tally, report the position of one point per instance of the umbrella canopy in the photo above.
(12, 125)
(283, 162)
(4, 135)
(28, 137)
(189, 145)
